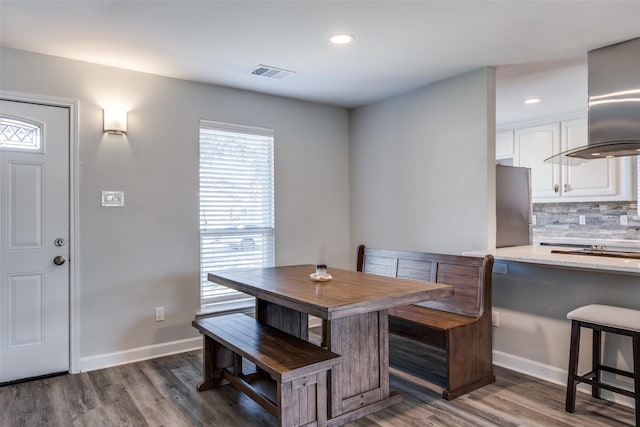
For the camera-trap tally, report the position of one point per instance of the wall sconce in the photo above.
(115, 121)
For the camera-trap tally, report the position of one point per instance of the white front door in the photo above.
(34, 230)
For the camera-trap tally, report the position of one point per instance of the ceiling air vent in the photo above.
(271, 72)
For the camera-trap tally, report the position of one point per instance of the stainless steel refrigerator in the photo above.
(513, 206)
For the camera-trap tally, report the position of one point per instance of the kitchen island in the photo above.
(534, 289)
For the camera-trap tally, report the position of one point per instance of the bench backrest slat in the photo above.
(469, 276)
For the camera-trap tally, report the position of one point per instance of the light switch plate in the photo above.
(113, 198)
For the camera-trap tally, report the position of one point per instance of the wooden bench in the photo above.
(298, 367)
(460, 324)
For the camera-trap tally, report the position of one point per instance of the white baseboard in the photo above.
(108, 360)
(550, 374)
(530, 367)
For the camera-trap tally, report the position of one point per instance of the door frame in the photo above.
(74, 198)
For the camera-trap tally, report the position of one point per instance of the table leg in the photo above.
(286, 319)
(360, 385)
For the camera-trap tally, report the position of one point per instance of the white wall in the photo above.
(422, 174)
(146, 254)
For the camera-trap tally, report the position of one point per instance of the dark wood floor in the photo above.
(162, 392)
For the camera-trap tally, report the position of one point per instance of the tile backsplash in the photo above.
(602, 220)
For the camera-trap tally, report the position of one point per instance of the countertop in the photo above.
(542, 255)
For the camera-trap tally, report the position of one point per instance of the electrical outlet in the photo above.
(582, 220)
(624, 220)
(501, 268)
(495, 319)
(159, 314)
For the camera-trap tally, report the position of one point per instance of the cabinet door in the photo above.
(595, 178)
(533, 145)
(504, 144)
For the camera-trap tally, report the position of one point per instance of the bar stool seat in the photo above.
(610, 319)
(614, 317)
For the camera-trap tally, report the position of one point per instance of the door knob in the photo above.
(59, 260)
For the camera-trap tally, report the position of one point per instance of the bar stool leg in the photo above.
(596, 363)
(636, 373)
(570, 402)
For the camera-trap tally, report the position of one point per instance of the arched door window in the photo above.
(16, 134)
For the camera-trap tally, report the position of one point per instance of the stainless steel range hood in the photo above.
(614, 104)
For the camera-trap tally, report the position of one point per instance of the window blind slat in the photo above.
(236, 204)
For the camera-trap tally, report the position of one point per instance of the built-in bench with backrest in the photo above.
(459, 324)
(299, 368)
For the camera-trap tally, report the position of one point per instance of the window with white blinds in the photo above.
(236, 207)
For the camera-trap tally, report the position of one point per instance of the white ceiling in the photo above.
(539, 46)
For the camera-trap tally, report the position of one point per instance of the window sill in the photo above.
(243, 305)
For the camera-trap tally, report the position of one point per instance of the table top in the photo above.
(347, 293)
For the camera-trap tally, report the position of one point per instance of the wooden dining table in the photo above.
(354, 306)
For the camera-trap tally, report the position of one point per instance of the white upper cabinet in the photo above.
(504, 144)
(593, 180)
(532, 146)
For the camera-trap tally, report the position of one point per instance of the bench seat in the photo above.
(298, 367)
(436, 319)
(459, 324)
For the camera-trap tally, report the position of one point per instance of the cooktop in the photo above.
(595, 251)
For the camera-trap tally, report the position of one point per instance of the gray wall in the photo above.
(146, 254)
(422, 174)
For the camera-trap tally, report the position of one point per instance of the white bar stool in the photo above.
(599, 318)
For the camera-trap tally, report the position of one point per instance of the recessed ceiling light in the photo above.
(532, 100)
(341, 38)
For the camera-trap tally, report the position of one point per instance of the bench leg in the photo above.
(237, 365)
(469, 359)
(303, 401)
(321, 399)
(215, 358)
